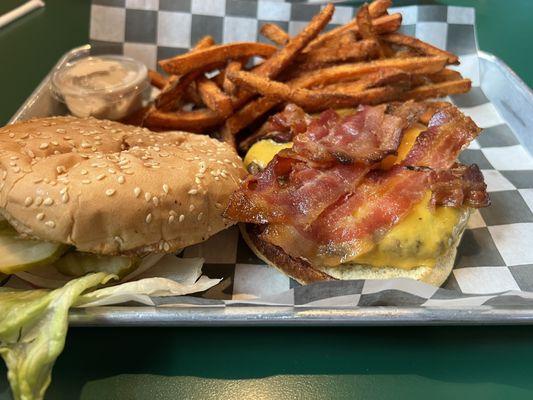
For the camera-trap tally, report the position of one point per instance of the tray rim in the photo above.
(148, 316)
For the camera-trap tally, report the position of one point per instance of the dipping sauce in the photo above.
(107, 87)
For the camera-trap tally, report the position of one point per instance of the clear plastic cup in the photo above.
(104, 86)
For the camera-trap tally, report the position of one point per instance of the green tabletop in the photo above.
(275, 363)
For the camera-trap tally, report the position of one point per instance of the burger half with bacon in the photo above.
(371, 193)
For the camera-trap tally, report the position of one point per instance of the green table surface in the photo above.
(275, 363)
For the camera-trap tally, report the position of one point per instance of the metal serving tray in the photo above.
(513, 100)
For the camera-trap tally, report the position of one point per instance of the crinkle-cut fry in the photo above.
(156, 79)
(274, 65)
(214, 98)
(347, 72)
(193, 121)
(383, 24)
(379, 7)
(248, 114)
(385, 76)
(199, 59)
(274, 33)
(310, 100)
(227, 85)
(435, 90)
(347, 48)
(423, 47)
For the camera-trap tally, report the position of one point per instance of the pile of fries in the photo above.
(214, 89)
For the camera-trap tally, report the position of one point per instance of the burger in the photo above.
(83, 195)
(369, 193)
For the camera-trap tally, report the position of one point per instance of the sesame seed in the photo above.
(121, 179)
(50, 224)
(112, 171)
(149, 218)
(171, 219)
(65, 198)
(60, 130)
(100, 177)
(86, 181)
(197, 180)
(48, 201)
(60, 169)
(54, 143)
(137, 191)
(192, 191)
(166, 246)
(40, 216)
(165, 188)
(27, 201)
(12, 163)
(11, 135)
(85, 145)
(14, 158)
(155, 200)
(63, 191)
(191, 207)
(200, 216)
(110, 192)
(181, 218)
(147, 196)
(38, 200)
(43, 146)
(219, 205)
(16, 169)
(172, 212)
(216, 178)
(84, 172)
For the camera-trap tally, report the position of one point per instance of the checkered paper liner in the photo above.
(494, 264)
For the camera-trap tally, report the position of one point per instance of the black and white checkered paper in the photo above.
(494, 265)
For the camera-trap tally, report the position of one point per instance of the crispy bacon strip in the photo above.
(460, 185)
(357, 221)
(329, 158)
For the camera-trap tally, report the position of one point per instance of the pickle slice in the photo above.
(77, 264)
(18, 254)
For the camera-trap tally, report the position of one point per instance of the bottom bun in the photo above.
(304, 273)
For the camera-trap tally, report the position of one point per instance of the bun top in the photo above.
(110, 188)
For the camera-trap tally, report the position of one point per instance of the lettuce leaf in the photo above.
(33, 328)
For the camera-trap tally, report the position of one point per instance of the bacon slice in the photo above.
(352, 225)
(331, 154)
(366, 136)
(458, 186)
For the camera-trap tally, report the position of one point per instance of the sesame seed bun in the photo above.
(110, 188)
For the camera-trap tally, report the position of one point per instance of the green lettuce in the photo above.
(33, 328)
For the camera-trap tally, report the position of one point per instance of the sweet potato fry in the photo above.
(385, 76)
(156, 79)
(434, 90)
(204, 42)
(347, 48)
(383, 24)
(366, 30)
(274, 33)
(379, 7)
(271, 67)
(423, 47)
(194, 121)
(178, 86)
(199, 59)
(246, 115)
(347, 72)
(214, 98)
(227, 85)
(310, 100)
(445, 75)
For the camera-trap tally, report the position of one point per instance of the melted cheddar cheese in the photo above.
(418, 240)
